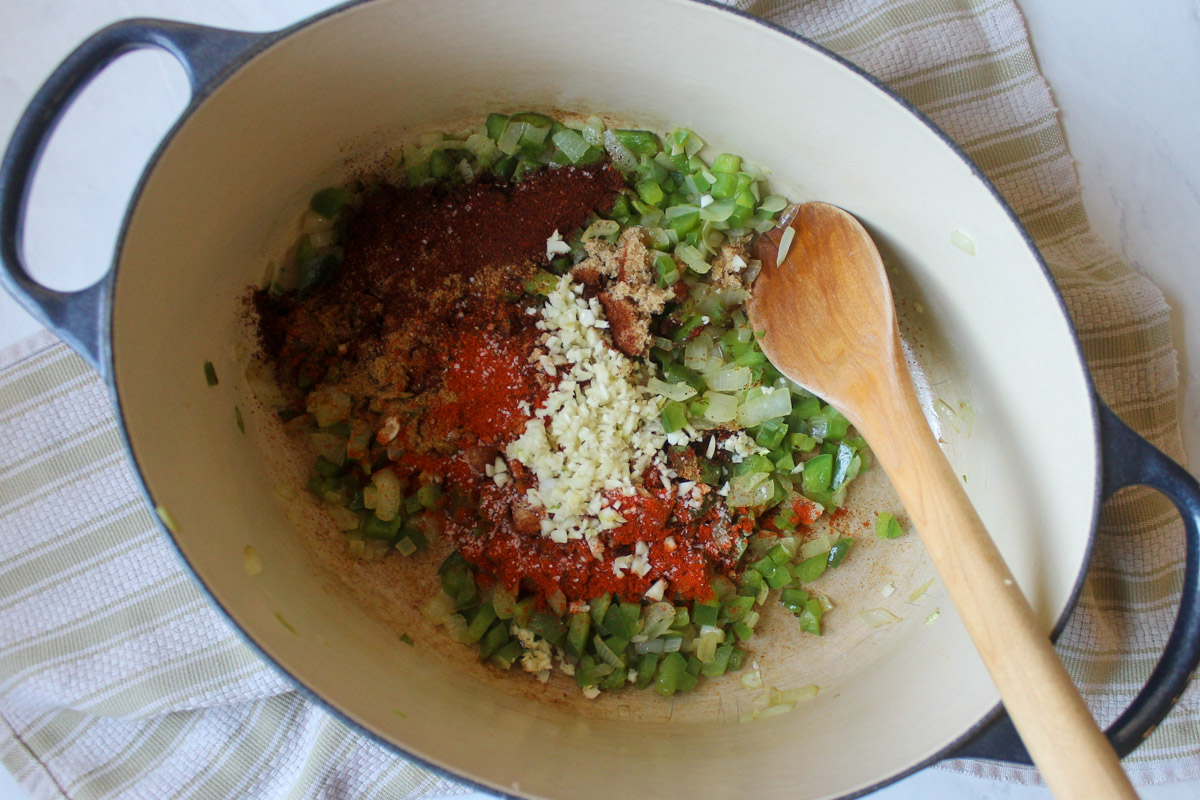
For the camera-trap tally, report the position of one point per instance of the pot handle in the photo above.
(207, 54)
(1130, 460)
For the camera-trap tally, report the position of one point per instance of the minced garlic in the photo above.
(598, 430)
(537, 657)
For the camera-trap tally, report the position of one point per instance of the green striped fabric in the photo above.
(118, 680)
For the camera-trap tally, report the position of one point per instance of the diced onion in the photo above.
(706, 647)
(818, 425)
(734, 297)
(571, 143)
(557, 602)
(438, 607)
(671, 391)
(771, 711)
(387, 494)
(792, 696)
(707, 300)
(328, 405)
(789, 545)
(744, 490)
(456, 628)
(678, 211)
(606, 653)
(655, 592)
(712, 236)
(966, 413)
(659, 238)
(593, 131)
(659, 645)
(651, 219)
(773, 204)
(920, 590)
(619, 153)
(718, 211)
(785, 244)
(697, 352)
(601, 227)
(878, 617)
(721, 407)
(730, 378)
(693, 258)
(816, 546)
(482, 146)
(511, 138)
(504, 600)
(962, 242)
(752, 270)
(763, 407)
(657, 618)
(252, 561)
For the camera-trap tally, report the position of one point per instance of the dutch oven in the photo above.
(273, 117)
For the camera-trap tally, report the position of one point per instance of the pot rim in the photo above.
(267, 40)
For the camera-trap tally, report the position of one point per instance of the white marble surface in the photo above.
(1125, 73)
(1126, 77)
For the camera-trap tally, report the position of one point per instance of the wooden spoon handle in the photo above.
(1073, 755)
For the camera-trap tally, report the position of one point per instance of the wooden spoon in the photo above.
(830, 326)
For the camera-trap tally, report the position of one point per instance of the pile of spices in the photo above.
(534, 355)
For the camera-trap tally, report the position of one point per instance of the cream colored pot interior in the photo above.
(986, 329)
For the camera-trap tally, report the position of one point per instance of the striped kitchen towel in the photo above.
(118, 680)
